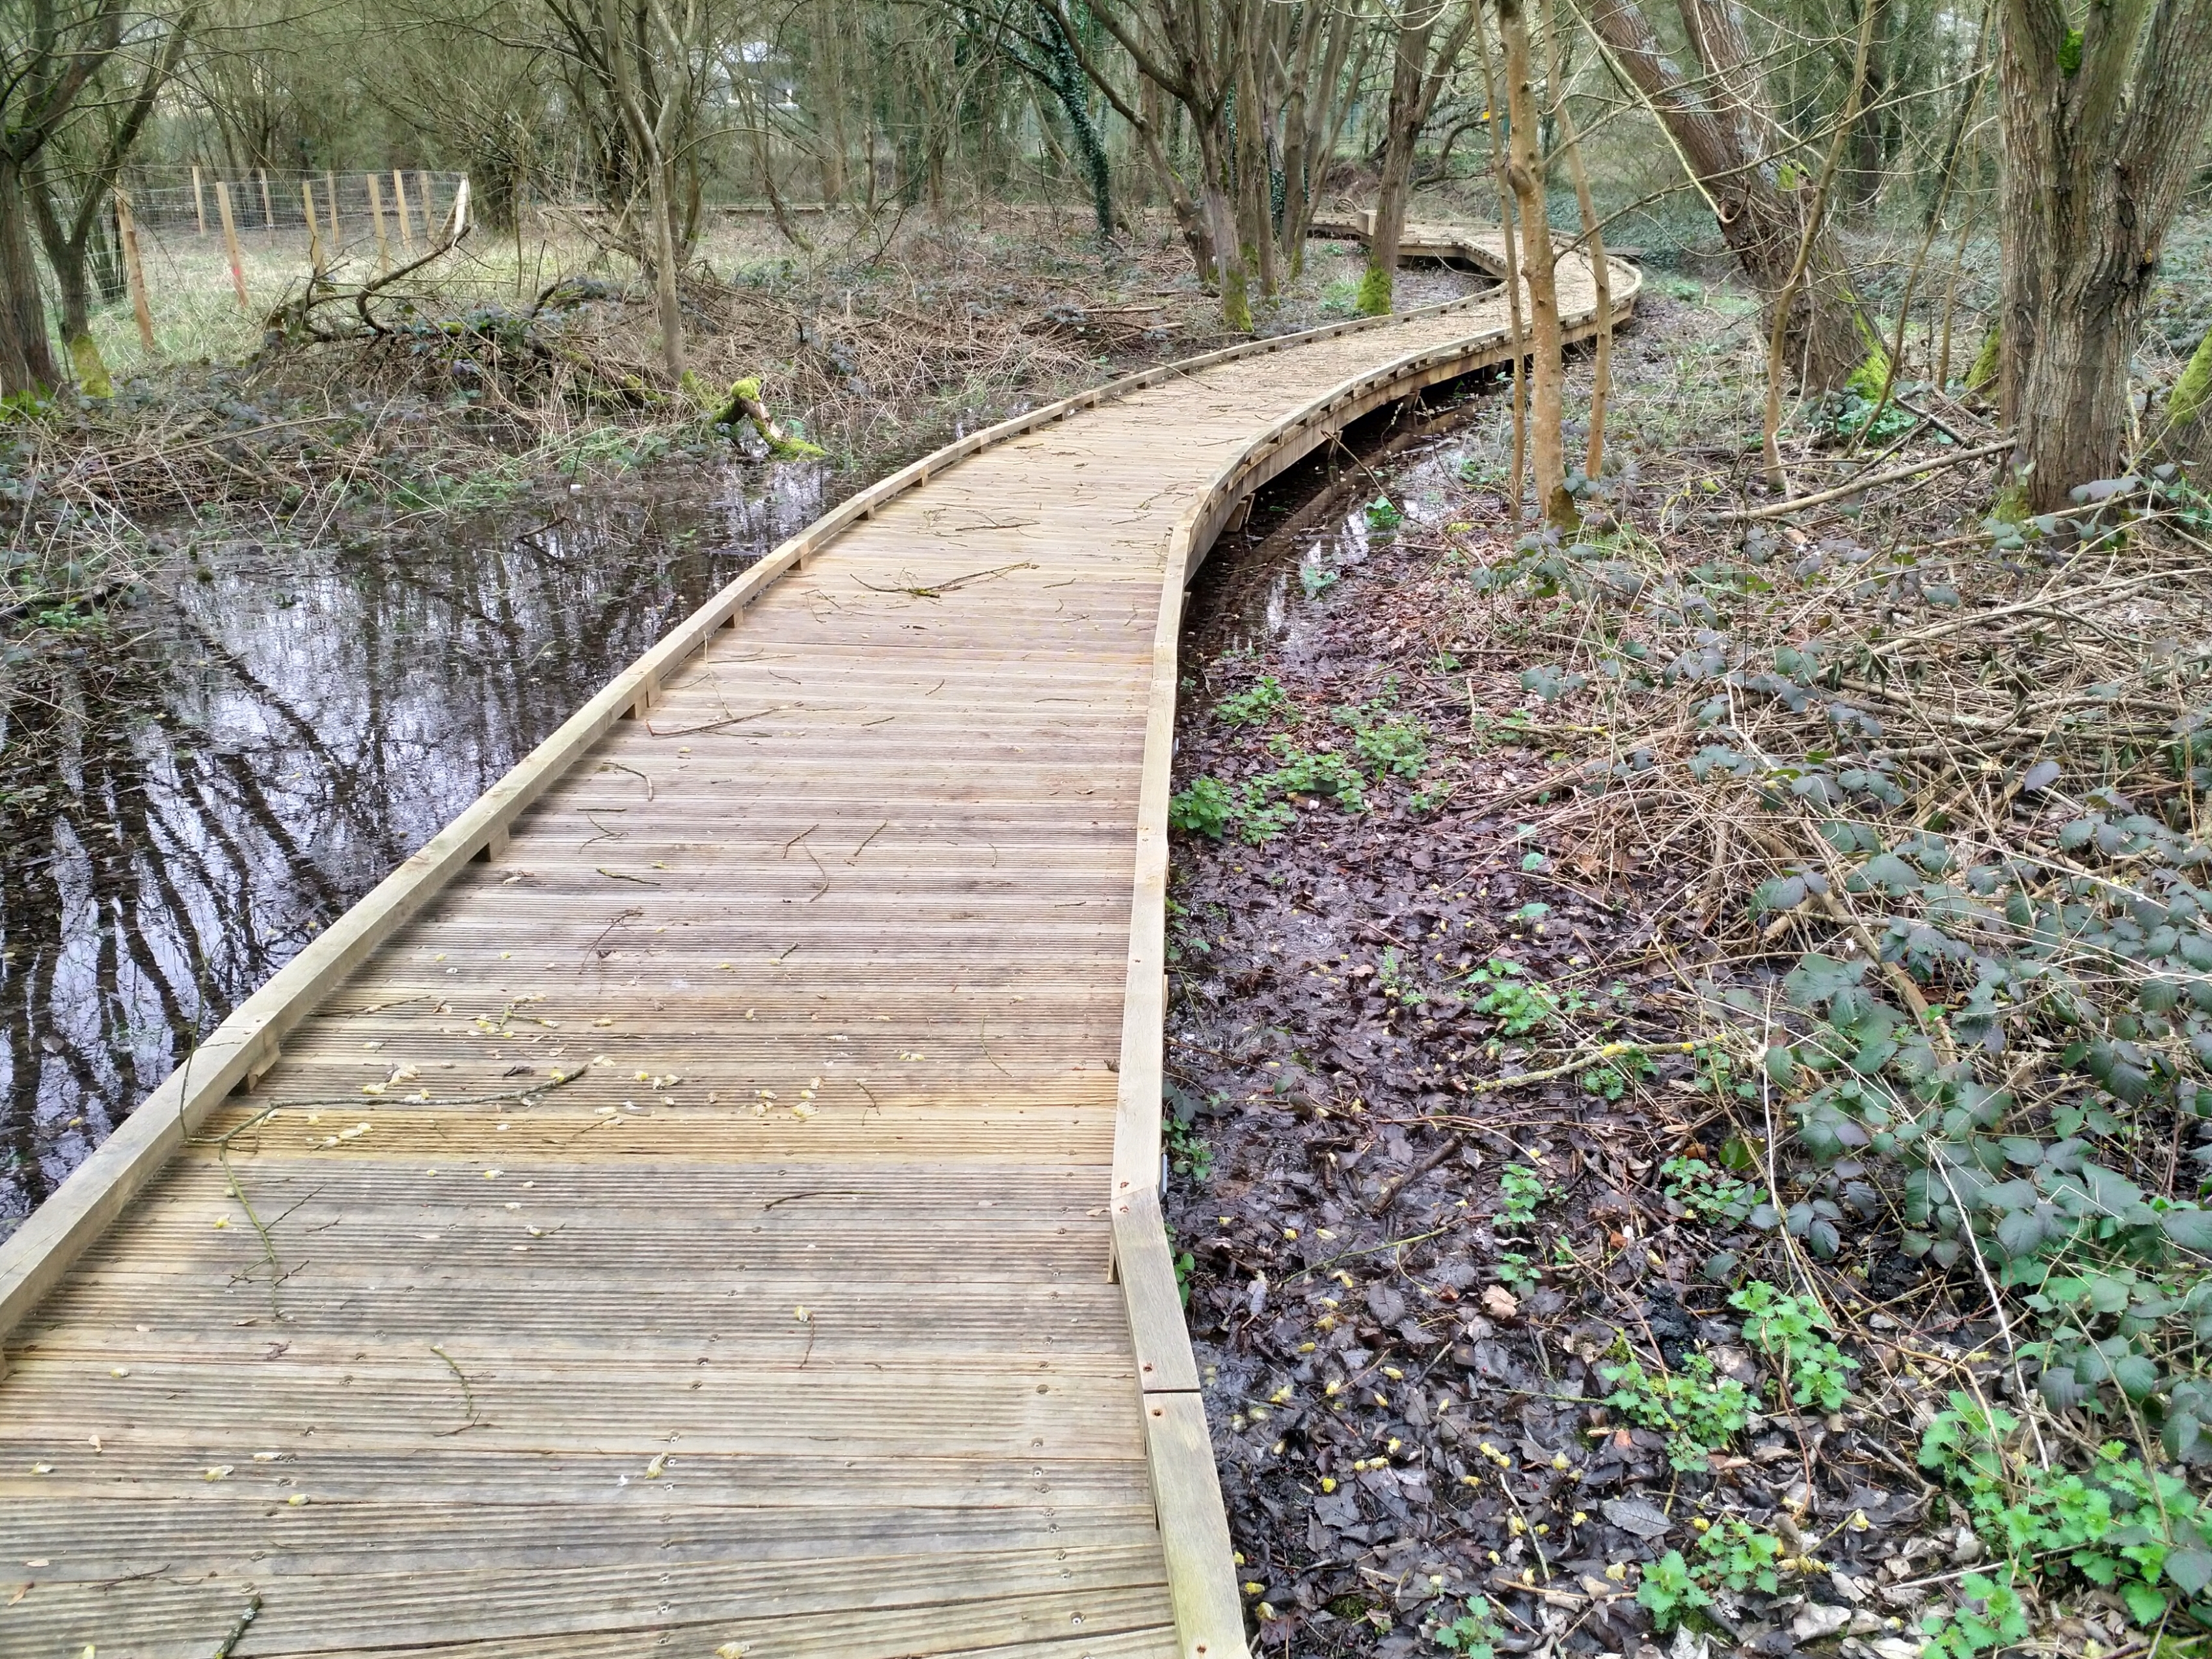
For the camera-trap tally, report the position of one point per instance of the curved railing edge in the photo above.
(1186, 1486)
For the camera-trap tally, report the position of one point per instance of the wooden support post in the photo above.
(330, 190)
(376, 217)
(399, 207)
(315, 231)
(268, 212)
(230, 242)
(134, 269)
(199, 201)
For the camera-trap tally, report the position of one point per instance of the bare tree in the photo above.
(1192, 50)
(1417, 78)
(1732, 144)
(1525, 170)
(672, 44)
(69, 195)
(48, 55)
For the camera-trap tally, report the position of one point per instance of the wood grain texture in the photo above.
(678, 1205)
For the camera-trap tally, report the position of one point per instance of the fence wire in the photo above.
(410, 206)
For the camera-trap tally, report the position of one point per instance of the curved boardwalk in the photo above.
(673, 1213)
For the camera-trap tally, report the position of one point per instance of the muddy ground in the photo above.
(1404, 1277)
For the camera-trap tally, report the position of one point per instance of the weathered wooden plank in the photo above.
(870, 889)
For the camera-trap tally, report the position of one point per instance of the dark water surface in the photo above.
(195, 786)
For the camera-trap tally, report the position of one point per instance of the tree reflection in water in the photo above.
(192, 788)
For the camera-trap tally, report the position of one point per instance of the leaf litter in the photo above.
(1587, 1147)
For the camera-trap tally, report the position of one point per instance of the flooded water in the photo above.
(1262, 583)
(195, 786)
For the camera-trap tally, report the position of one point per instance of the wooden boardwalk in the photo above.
(705, 1202)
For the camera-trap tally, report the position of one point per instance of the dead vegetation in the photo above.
(1692, 1047)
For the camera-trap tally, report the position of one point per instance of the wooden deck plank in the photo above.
(785, 1317)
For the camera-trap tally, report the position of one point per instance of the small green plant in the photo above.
(1390, 974)
(1186, 1264)
(1515, 1274)
(1738, 1557)
(1705, 1193)
(1189, 1154)
(1792, 1333)
(1256, 705)
(1669, 1593)
(1520, 1191)
(1264, 812)
(2140, 1532)
(1205, 808)
(1989, 1614)
(1520, 1005)
(1698, 1409)
(1387, 742)
(1315, 578)
(1618, 1073)
(1851, 414)
(1382, 515)
(1473, 1634)
(1732, 1555)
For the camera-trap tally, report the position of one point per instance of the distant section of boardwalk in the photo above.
(706, 1202)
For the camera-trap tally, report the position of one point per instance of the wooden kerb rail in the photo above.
(672, 1200)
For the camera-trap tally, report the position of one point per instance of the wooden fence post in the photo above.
(230, 242)
(376, 216)
(399, 207)
(337, 239)
(314, 232)
(134, 269)
(199, 201)
(268, 214)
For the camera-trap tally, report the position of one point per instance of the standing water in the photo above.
(193, 787)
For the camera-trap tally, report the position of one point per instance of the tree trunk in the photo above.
(1220, 212)
(1526, 172)
(1312, 117)
(1190, 218)
(1255, 231)
(2096, 157)
(1503, 175)
(1593, 246)
(27, 357)
(1718, 130)
(660, 209)
(1870, 132)
(1401, 128)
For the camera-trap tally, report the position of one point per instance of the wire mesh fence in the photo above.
(402, 207)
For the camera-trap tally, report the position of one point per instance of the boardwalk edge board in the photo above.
(1185, 1487)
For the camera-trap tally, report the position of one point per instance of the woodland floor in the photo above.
(1409, 1279)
